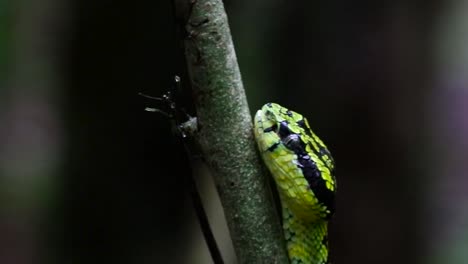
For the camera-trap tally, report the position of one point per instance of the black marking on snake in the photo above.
(289, 113)
(316, 183)
(272, 128)
(309, 169)
(303, 125)
(284, 130)
(323, 152)
(326, 152)
(274, 146)
(269, 105)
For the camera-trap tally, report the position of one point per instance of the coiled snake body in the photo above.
(303, 170)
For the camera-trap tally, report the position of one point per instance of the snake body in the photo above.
(303, 170)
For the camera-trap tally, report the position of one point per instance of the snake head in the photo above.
(298, 160)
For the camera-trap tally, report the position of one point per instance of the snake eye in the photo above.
(294, 143)
(284, 130)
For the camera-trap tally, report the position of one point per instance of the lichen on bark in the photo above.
(225, 133)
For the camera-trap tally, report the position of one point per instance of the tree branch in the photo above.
(225, 133)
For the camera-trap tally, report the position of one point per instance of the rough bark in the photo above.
(225, 133)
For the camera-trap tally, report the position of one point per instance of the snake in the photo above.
(303, 171)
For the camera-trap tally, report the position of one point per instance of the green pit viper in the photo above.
(303, 170)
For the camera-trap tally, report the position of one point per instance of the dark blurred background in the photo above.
(87, 176)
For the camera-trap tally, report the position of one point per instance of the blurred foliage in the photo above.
(4, 39)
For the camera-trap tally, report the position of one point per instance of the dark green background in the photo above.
(363, 72)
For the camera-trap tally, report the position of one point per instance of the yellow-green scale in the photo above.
(302, 168)
(304, 229)
(306, 242)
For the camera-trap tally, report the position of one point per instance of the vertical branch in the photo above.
(225, 133)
